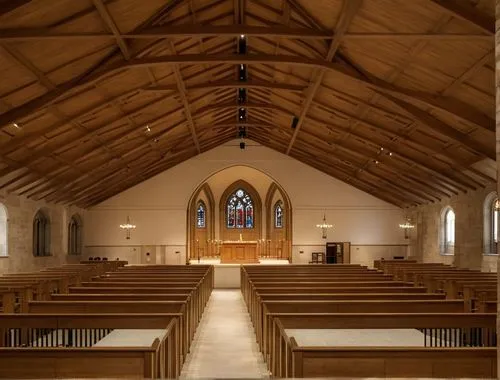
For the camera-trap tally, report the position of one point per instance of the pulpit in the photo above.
(239, 252)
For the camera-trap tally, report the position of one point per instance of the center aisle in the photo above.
(224, 345)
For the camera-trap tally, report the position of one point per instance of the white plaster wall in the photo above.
(20, 213)
(158, 206)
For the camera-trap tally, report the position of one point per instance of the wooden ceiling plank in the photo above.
(102, 173)
(392, 147)
(399, 188)
(145, 173)
(17, 142)
(443, 128)
(111, 167)
(348, 178)
(465, 11)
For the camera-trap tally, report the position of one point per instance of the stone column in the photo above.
(497, 91)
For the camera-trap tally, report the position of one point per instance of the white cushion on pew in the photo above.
(357, 337)
(131, 338)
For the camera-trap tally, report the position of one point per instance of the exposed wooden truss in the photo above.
(103, 97)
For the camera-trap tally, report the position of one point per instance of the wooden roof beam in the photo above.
(465, 11)
(103, 11)
(178, 31)
(170, 31)
(229, 84)
(349, 10)
(182, 91)
(449, 105)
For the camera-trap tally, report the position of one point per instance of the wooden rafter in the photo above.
(100, 126)
(110, 22)
(449, 105)
(181, 87)
(20, 35)
(349, 10)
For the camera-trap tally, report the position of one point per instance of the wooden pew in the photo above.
(89, 346)
(187, 324)
(457, 359)
(270, 308)
(379, 264)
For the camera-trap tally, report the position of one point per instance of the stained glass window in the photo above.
(278, 215)
(200, 215)
(239, 210)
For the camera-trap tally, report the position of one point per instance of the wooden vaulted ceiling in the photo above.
(394, 97)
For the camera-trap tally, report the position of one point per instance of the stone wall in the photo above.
(20, 213)
(469, 221)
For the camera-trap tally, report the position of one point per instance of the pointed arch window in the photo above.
(448, 231)
(75, 236)
(491, 223)
(495, 210)
(239, 210)
(41, 234)
(201, 215)
(3, 230)
(278, 215)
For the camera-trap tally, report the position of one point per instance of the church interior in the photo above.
(249, 189)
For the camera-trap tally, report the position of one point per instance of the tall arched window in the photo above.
(75, 236)
(41, 234)
(201, 221)
(491, 216)
(239, 210)
(494, 222)
(448, 231)
(3, 230)
(278, 215)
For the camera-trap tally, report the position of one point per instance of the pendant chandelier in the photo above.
(407, 225)
(324, 226)
(127, 227)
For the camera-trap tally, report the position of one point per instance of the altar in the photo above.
(239, 252)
